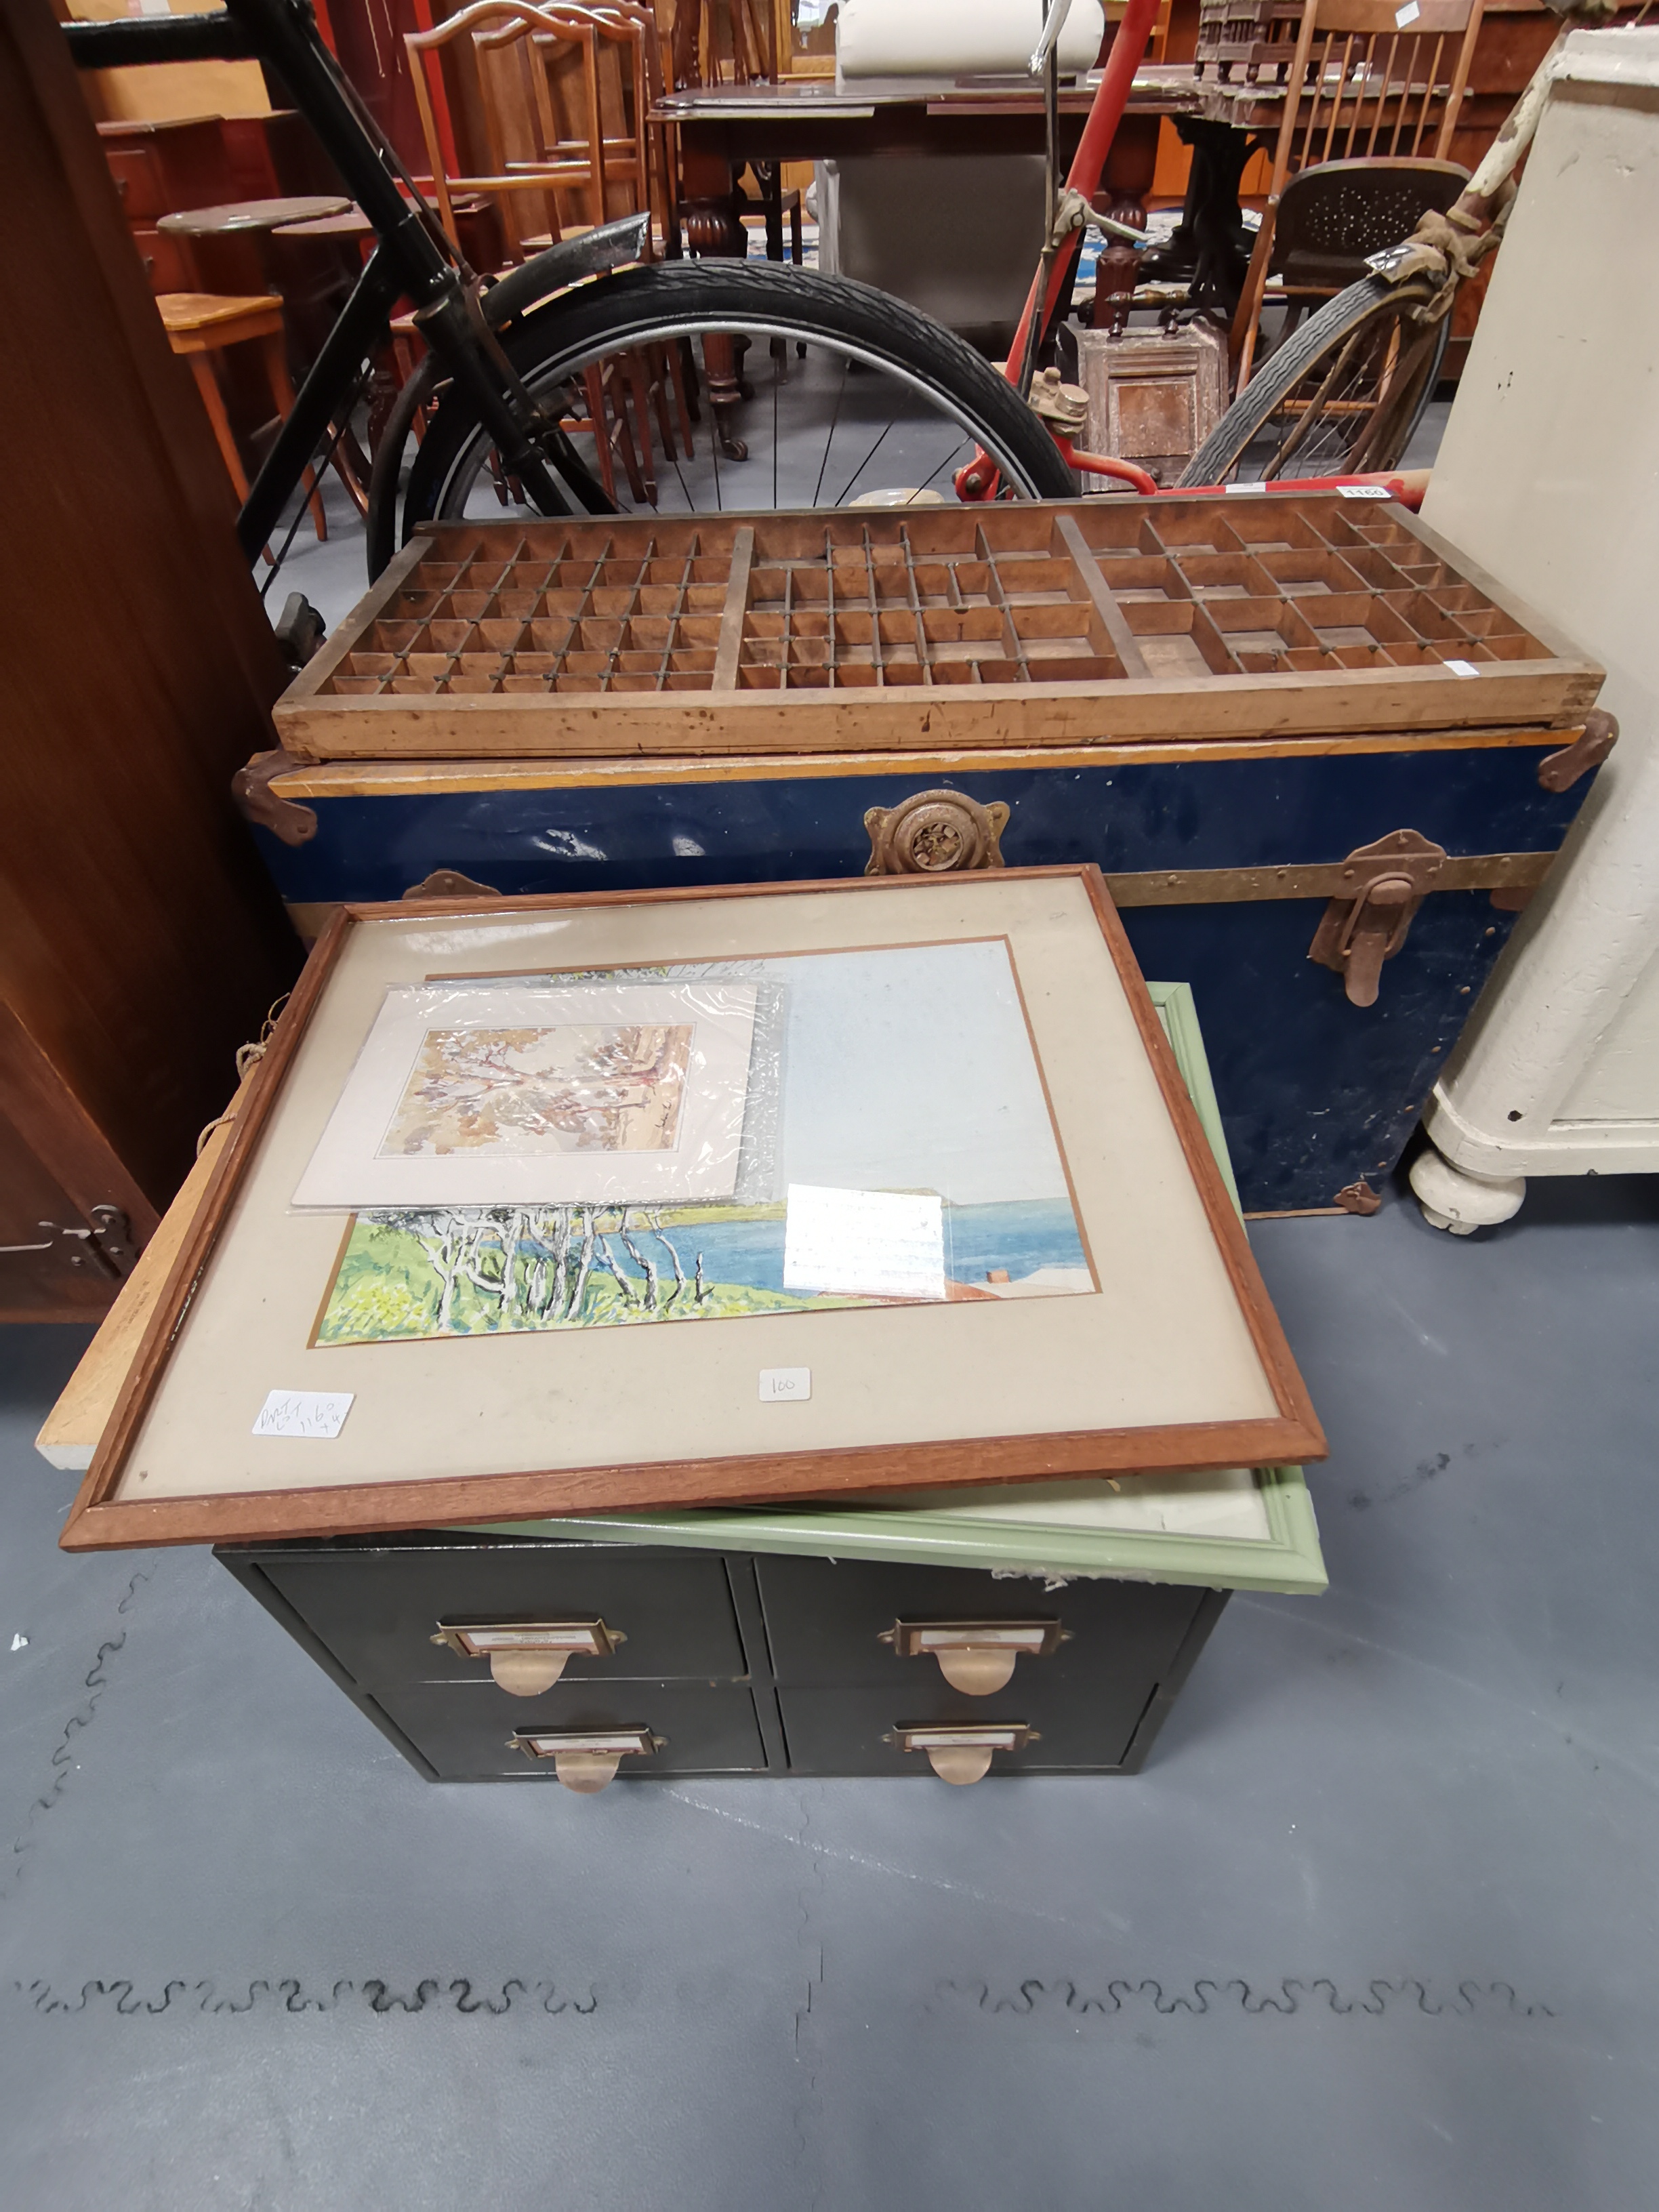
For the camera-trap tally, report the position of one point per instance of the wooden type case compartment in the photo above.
(1008, 624)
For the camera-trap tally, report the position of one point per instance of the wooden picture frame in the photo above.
(105, 1515)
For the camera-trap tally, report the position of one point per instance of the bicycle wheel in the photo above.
(882, 402)
(1340, 395)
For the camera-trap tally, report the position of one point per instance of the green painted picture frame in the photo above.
(1288, 1558)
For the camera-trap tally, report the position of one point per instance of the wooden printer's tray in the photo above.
(1098, 620)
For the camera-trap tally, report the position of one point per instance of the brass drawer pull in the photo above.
(584, 1760)
(528, 1656)
(960, 1751)
(974, 1656)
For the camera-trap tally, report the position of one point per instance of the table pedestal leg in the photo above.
(1124, 184)
(1210, 247)
(712, 225)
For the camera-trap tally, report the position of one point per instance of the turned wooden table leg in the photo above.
(712, 225)
(1210, 248)
(1124, 184)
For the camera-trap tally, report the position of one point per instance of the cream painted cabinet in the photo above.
(1548, 476)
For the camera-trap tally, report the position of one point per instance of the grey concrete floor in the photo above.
(1376, 1929)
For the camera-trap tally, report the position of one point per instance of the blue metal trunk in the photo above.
(1316, 1093)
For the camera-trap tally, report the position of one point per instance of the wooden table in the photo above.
(722, 129)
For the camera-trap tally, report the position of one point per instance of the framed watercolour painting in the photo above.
(966, 1227)
(896, 1143)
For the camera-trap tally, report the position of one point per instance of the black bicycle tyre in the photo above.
(617, 312)
(1290, 364)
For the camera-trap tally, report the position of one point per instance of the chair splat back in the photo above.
(485, 125)
(1368, 83)
(1369, 80)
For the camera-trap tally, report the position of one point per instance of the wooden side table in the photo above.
(200, 324)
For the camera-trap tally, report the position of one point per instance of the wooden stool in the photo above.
(198, 324)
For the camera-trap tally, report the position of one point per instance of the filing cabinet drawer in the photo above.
(377, 1609)
(989, 1676)
(834, 1624)
(832, 1730)
(464, 1729)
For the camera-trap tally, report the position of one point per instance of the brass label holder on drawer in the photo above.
(584, 1760)
(960, 1751)
(974, 1656)
(528, 1656)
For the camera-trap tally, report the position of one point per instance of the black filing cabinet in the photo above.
(487, 1658)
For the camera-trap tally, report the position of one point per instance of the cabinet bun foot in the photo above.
(1459, 1202)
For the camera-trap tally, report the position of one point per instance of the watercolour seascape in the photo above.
(906, 1069)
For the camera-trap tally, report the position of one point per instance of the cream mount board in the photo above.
(1176, 1361)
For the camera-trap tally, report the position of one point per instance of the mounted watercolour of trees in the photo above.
(486, 1270)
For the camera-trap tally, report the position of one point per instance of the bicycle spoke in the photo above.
(1313, 408)
(861, 467)
(927, 480)
(903, 431)
(829, 435)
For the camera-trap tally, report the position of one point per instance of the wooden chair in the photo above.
(659, 139)
(1330, 217)
(201, 324)
(624, 36)
(1359, 86)
(1157, 44)
(735, 41)
(621, 90)
(483, 123)
(723, 41)
(486, 132)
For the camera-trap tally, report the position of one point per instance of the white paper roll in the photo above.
(958, 38)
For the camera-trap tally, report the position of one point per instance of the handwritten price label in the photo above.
(779, 1384)
(304, 1413)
